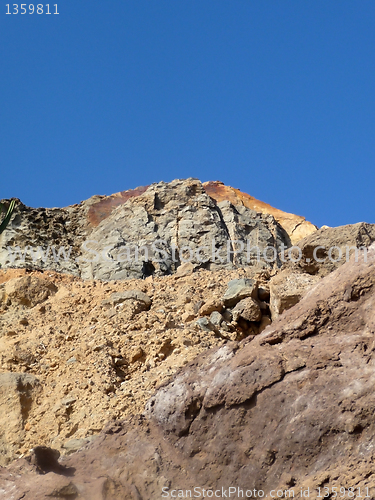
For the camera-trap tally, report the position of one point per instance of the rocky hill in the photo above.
(97, 238)
(163, 374)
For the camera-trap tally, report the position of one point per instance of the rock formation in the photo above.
(296, 226)
(135, 380)
(289, 409)
(97, 239)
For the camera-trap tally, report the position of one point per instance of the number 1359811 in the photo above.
(31, 8)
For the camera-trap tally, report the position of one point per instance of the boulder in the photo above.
(287, 288)
(329, 248)
(239, 289)
(247, 309)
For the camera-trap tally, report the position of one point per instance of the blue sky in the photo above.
(273, 97)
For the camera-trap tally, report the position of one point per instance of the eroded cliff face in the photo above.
(250, 374)
(296, 226)
(97, 238)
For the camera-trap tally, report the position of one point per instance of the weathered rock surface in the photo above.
(327, 249)
(34, 234)
(18, 392)
(174, 223)
(239, 289)
(291, 408)
(287, 288)
(296, 226)
(171, 224)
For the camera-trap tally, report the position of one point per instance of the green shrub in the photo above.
(8, 215)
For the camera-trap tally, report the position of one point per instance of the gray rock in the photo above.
(206, 325)
(227, 315)
(154, 231)
(216, 318)
(119, 297)
(239, 289)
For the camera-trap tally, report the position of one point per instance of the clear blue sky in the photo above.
(276, 98)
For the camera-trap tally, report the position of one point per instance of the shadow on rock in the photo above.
(46, 460)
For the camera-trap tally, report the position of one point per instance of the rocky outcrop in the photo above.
(169, 228)
(181, 358)
(152, 230)
(291, 408)
(329, 248)
(296, 226)
(175, 223)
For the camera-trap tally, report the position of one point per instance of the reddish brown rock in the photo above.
(101, 209)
